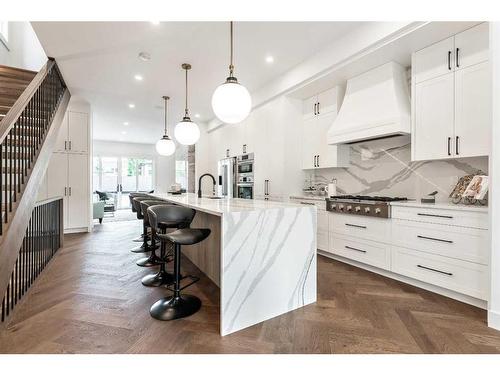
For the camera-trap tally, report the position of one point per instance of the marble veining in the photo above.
(384, 167)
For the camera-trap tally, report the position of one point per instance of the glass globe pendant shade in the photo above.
(165, 146)
(187, 132)
(231, 102)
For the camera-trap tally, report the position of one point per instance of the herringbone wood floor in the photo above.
(90, 300)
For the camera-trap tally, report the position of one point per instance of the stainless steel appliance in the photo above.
(244, 172)
(361, 205)
(227, 178)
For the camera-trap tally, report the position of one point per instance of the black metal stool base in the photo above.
(158, 279)
(143, 249)
(171, 308)
(139, 239)
(148, 262)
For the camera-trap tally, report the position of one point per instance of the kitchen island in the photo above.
(261, 254)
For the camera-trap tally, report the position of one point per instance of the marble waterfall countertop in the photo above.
(221, 206)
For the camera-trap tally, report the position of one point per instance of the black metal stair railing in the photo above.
(20, 145)
(41, 241)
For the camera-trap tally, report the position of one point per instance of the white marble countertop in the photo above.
(309, 197)
(441, 205)
(220, 206)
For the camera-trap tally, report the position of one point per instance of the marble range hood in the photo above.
(376, 105)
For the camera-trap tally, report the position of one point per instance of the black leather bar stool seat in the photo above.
(145, 247)
(179, 305)
(153, 259)
(130, 197)
(163, 218)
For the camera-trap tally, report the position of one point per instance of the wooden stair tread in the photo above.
(18, 73)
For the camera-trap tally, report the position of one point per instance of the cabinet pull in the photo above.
(308, 203)
(65, 143)
(318, 159)
(318, 108)
(315, 109)
(314, 163)
(449, 146)
(434, 239)
(69, 191)
(456, 57)
(433, 215)
(432, 269)
(353, 248)
(456, 144)
(70, 145)
(227, 152)
(244, 149)
(65, 188)
(356, 226)
(449, 60)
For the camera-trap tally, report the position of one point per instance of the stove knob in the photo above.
(378, 210)
(340, 207)
(357, 208)
(349, 208)
(367, 210)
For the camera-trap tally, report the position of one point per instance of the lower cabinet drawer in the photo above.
(460, 276)
(368, 228)
(364, 251)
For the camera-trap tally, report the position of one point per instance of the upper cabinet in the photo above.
(319, 112)
(73, 135)
(451, 95)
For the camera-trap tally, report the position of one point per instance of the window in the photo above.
(181, 176)
(4, 33)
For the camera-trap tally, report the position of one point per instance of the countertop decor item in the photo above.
(187, 132)
(471, 189)
(165, 146)
(231, 101)
(429, 198)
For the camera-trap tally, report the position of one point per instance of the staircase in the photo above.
(32, 106)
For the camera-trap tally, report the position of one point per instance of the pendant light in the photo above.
(187, 132)
(165, 146)
(231, 101)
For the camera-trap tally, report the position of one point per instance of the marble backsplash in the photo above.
(383, 167)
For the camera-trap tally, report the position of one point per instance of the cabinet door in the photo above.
(57, 180)
(434, 61)
(329, 156)
(78, 128)
(62, 137)
(78, 202)
(472, 46)
(327, 101)
(308, 107)
(473, 111)
(309, 150)
(434, 118)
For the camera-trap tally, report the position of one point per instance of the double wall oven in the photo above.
(244, 176)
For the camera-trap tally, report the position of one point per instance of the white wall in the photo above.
(494, 195)
(164, 165)
(24, 50)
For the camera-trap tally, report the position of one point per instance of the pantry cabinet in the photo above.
(451, 111)
(319, 113)
(74, 132)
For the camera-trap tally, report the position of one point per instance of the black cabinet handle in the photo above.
(318, 108)
(353, 248)
(456, 57)
(356, 226)
(432, 269)
(433, 215)
(449, 60)
(315, 113)
(315, 161)
(449, 146)
(434, 239)
(318, 158)
(244, 149)
(456, 144)
(227, 152)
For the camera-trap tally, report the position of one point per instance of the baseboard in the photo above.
(494, 319)
(76, 230)
(419, 284)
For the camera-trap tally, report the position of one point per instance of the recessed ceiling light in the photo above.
(197, 115)
(269, 59)
(155, 22)
(124, 132)
(138, 77)
(125, 123)
(144, 56)
(131, 105)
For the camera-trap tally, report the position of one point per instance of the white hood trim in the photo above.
(376, 105)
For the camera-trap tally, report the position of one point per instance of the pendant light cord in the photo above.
(186, 109)
(166, 126)
(231, 66)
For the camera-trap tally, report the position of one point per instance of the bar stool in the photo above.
(153, 259)
(130, 197)
(162, 218)
(145, 247)
(179, 306)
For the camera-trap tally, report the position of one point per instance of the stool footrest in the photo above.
(194, 279)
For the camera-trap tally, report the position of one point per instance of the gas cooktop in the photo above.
(361, 205)
(368, 198)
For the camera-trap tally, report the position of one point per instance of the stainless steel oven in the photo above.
(245, 169)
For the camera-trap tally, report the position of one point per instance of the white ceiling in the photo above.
(99, 60)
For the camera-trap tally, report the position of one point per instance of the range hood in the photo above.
(376, 105)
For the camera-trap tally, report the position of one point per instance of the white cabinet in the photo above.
(74, 133)
(322, 228)
(316, 152)
(451, 111)
(68, 177)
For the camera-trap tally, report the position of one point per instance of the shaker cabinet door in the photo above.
(434, 61)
